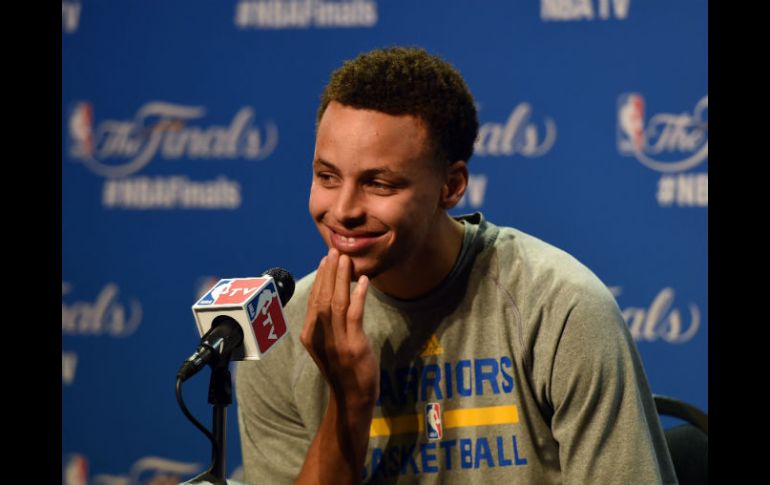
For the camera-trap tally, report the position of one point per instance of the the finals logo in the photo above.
(672, 144)
(119, 149)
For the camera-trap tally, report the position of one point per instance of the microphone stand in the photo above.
(220, 396)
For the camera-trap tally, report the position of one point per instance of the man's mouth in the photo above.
(352, 242)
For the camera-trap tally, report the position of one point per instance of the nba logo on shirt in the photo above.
(434, 431)
(267, 318)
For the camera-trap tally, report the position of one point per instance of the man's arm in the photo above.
(333, 335)
(604, 415)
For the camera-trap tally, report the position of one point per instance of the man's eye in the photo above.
(381, 188)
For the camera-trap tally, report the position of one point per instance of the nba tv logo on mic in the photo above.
(254, 303)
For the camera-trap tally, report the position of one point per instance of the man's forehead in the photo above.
(371, 139)
(337, 112)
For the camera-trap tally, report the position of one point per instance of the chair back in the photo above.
(688, 443)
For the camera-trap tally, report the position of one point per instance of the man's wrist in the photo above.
(352, 406)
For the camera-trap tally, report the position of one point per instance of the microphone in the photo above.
(239, 319)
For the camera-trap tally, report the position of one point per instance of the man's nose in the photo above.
(349, 207)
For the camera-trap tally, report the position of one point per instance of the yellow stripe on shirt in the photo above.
(455, 418)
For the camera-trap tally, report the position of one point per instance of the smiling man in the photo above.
(433, 349)
(379, 197)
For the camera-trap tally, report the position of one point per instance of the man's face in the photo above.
(376, 191)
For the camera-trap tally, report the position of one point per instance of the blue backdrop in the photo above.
(188, 132)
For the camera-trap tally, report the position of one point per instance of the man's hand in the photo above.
(334, 337)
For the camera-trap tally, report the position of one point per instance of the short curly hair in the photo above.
(408, 80)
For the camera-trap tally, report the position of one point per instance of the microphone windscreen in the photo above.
(284, 281)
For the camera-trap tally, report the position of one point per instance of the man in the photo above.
(464, 352)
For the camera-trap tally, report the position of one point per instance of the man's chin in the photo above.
(361, 268)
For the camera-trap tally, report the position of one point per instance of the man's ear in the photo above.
(455, 183)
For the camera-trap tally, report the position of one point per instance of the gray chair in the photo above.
(688, 443)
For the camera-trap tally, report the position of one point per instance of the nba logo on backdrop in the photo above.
(81, 128)
(267, 318)
(630, 123)
(75, 470)
(434, 430)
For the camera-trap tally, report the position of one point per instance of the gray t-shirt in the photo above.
(518, 368)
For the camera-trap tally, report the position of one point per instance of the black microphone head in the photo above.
(284, 281)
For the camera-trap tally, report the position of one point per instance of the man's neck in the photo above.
(429, 267)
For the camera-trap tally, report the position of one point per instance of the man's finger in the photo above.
(355, 320)
(341, 298)
(326, 279)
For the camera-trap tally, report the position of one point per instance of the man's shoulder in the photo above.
(525, 261)
(546, 285)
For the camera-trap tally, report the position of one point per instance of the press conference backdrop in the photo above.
(187, 137)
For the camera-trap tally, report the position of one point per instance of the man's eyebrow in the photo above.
(328, 165)
(373, 172)
(368, 172)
